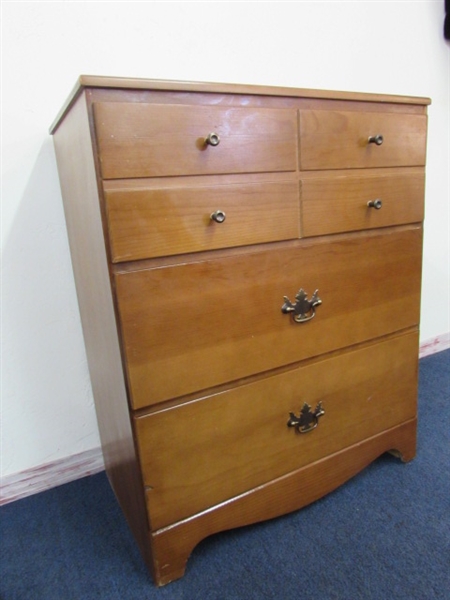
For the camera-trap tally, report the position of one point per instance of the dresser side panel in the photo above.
(75, 159)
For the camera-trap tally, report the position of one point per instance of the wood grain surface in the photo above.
(145, 223)
(339, 139)
(146, 140)
(338, 202)
(194, 325)
(233, 441)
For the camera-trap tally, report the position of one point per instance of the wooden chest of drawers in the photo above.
(248, 267)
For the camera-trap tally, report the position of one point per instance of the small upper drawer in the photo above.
(352, 201)
(340, 139)
(235, 440)
(150, 140)
(149, 222)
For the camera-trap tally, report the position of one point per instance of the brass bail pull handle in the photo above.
(376, 139)
(212, 139)
(307, 420)
(303, 309)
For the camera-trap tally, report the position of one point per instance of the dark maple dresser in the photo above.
(248, 268)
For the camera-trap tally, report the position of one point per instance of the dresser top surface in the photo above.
(128, 83)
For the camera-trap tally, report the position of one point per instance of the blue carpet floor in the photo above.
(385, 535)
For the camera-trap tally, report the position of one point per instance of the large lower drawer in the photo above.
(211, 449)
(151, 140)
(190, 326)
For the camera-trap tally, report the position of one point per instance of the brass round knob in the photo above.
(376, 139)
(218, 216)
(377, 204)
(212, 139)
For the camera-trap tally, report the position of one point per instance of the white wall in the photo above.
(387, 47)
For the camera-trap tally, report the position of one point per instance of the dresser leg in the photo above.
(405, 453)
(170, 556)
(404, 446)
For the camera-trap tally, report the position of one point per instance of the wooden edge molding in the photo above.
(129, 83)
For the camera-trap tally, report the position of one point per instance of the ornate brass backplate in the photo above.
(307, 420)
(303, 310)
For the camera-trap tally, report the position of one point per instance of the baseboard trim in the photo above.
(45, 477)
(434, 345)
(50, 475)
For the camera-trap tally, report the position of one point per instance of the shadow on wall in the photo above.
(47, 401)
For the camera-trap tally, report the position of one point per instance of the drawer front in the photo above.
(149, 140)
(339, 203)
(145, 223)
(339, 139)
(205, 452)
(191, 326)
